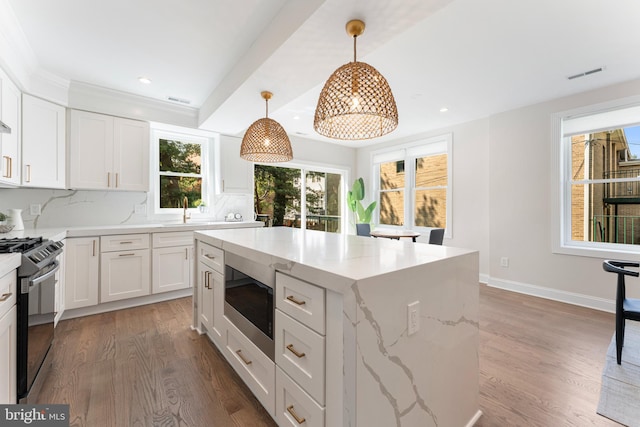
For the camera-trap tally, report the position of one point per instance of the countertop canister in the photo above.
(15, 218)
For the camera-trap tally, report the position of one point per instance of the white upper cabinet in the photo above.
(43, 143)
(236, 173)
(9, 142)
(108, 153)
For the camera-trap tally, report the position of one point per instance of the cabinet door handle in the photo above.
(246, 362)
(108, 179)
(294, 351)
(10, 167)
(296, 301)
(7, 162)
(131, 254)
(5, 297)
(93, 253)
(294, 415)
(207, 279)
(28, 173)
(116, 179)
(186, 253)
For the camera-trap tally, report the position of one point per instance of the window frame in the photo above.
(317, 167)
(562, 181)
(206, 171)
(409, 152)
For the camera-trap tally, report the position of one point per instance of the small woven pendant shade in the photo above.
(356, 102)
(266, 140)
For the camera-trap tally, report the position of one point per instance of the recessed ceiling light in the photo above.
(296, 117)
(144, 80)
(444, 109)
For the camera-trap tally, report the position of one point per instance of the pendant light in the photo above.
(356, 101)
(266, 140)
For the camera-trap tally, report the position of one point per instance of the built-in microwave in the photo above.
(248, 300)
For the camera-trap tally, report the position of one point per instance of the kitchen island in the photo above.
(367, 368)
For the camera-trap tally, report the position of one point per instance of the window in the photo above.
(181, 170)
(600, 180)
(412, 182)
(280, 192)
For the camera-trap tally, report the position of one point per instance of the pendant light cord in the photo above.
(354, 47)
(266, 108)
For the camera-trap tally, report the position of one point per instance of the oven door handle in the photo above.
(45, 276)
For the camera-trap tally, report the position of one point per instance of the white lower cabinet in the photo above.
(172, 261)
(252, 365)
(211, 293)
(171, 268)
(124, 274)
(60, 288)
(8, 349)
(294, 407)
(205, 296)
(82, 274)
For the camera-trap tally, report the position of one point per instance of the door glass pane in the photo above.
(277, 194)
(176, 156)
(173, 190)
(431, 208)
(323, 201)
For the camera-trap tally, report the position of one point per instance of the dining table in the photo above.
(395, 233)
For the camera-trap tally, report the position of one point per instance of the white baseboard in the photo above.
(484, 278)
(555, 294)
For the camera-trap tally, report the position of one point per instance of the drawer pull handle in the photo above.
(126, 254)
(126, 243)
(295, 301)
(246, 362)
(210, 256)
(294, 351)
(5, 297)
(294, 415)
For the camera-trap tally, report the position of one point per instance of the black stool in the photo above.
(626, 308)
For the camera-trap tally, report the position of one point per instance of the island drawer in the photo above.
(294, 407)
(253, 366)
(211, 256)
(172, 238)
(300, 352)
(124, 242)
(8, 290)
(302, 301)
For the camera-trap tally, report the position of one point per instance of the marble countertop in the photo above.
(339, 259)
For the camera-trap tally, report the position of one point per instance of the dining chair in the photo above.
(626, 308)
(363, 230)
(436, 236)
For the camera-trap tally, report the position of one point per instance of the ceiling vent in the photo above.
(586, 73)
(180, 100)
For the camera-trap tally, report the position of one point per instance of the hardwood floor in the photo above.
(540, 365)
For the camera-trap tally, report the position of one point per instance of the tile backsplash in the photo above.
(61, 208)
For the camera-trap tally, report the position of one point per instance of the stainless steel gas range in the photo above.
(35, 308)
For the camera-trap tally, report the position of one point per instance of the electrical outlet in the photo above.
(504, 262)
(413, 317)
(35, 209)
(141, 209)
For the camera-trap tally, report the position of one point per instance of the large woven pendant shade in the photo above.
(266, 140)
(356, 102)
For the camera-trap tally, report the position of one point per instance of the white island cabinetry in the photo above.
(343, 355)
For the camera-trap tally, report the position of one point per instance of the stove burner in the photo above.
(19, 244)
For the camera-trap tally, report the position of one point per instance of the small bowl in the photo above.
(6, 228)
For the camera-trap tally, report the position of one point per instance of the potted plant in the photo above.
(3, 219)
(354, 199)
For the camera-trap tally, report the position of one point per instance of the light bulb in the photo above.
(266, 142)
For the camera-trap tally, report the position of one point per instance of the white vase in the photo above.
(15, 218)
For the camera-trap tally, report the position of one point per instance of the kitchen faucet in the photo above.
(185, 215)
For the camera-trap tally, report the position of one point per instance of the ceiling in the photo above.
(476, 58)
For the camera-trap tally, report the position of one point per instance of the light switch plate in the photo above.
(413, 317)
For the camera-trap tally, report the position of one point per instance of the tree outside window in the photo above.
(180, 173)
